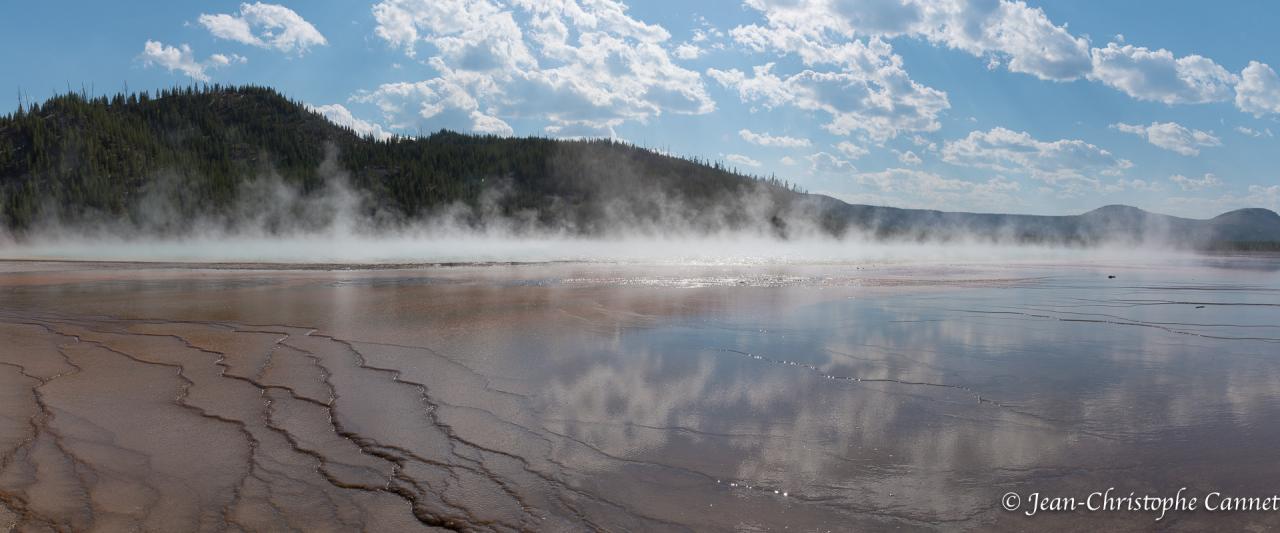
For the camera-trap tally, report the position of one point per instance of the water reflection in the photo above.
(719, 398)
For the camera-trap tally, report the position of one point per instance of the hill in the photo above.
(80, 158)
(172, 162)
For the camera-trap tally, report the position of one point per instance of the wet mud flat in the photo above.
(625, 397)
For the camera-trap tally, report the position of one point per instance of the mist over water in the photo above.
(273, 222)
(477, 247)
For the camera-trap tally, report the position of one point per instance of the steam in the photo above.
(633, 219)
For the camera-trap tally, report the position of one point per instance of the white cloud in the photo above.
(584, 129)
(916, 188)
(1066, 162)
(688, 51)
(1004, 32)
(851, 35)
(881, 101)
(1133, 185)
(340, 115)
(1172, 136)
(1022, 36)
(706, 32)
(924, 143)
(870, 91)
(788, 160)
(445, 103)
(1155, 75)
(1259, 90)
(909, 158)
(265, 26)
(739, 159)
(765, 87)
(182, 59)
(852, 151)
(572, 66)
(704, 37)
(224, 60)
(1265, 132)
(1267, 196)
(780, 141)
(824, 163)
(1195, 184)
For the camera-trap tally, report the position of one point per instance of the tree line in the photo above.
(75, 154)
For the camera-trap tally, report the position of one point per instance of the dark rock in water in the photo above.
(1199, 307)
(1111, 276)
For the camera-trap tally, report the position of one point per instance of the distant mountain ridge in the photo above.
(1250, 228)
(172, 162)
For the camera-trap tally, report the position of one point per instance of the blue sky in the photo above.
(986, 105)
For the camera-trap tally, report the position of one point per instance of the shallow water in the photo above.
(632, 397)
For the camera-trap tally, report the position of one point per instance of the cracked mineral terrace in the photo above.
(560, 397)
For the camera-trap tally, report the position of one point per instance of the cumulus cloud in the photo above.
(1133, 185)
(182, 59)
(1265, 132)
(224, 60)
(852, 151)
(868, 90)
(1195, 184)
(908, 158)
(584, 129)
(340, 115)
(1256, 196)
(924, 143)
(1265, 195)
(920, 189)
(1009, 34)
(1023, 37)
(739, 159)
(780, 141)
(1012, 33)
(445, 103)
(706, 37)
(265, 26)
(572, 66)
(1259, 90)
(881, 101)
(1067, 163)
(688, 51)
(1157, 76)
(861, 84)
(823, 163)
(1172, 136)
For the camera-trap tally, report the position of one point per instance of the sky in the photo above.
(984, 105)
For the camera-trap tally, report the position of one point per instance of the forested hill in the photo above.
(75, 157)
(165, 163)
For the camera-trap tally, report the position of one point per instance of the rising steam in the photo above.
(630, 219)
